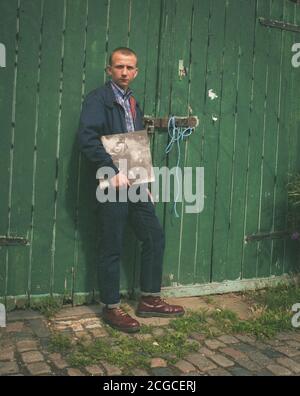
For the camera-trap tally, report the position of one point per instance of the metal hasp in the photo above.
(11, 241)
(279, 25)
(269, 235)
(152, 123)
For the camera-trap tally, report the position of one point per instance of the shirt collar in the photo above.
(119, 91)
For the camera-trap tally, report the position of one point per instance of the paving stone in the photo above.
(162, 372)
(63, 327)
(228, 339)
(39, 328)
(98, 333)
(93, 326)
(72, 372)
(214, 344)
(278, 370)
(219, 372)
(246, 338)
(26, 345)
(261, 345)
(7, 354)
(206, 352)
(77, 327)
(234, 353)
(65, 323)
(221, 360)
(32, 357)
(194, 374)
(296, 336)
(44, 343)
(271, 353)
(158, 332)
(8, 368)
(88, 321)
(14, 327)
(22, 315)
(274, 343)
(285, 336)
(263, 373)
(198, 337)
(293, 344)
(249, 364)
(7, 343)
(259, 358)
(288, 351)
(95, 370)
(245, 347)
(143, 337)
(158, 362)
(39, 368)
(297, 359)
(111, 370)
(290, 364)
(83, 335)
(58, 361)
(184, 366)
(200, 361)
(79, 312)
(140, 373)
(240, 372)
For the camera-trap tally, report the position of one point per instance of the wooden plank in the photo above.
(240, 169)
(137, 36)
(47, 125)
(256, 141)
(87, 249)
(282, 132)
(67, 149)
(291, 119)
(118, 31)
(118, 36)
(8, 27)
(211, 129)
(143, 39)
(227, 144)
(147, 95)
(138, 40)
(193, 249)
(20, 221)
(273, 42)
(181, 37)
(163, 105)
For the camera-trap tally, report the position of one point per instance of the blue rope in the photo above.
(177, 135)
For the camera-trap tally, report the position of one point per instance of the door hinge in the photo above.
(269, 235)
(152, 123)
(13, 241)
(279, 25)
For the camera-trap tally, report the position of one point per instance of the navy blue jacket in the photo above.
(102, 115)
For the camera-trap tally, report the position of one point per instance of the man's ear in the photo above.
(136, 72)
(108, 70)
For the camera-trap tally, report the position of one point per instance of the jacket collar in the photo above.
(109, 96)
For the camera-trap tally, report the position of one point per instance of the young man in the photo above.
(108, 110)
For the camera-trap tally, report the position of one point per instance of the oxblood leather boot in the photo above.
(120, 320)
(150, 306)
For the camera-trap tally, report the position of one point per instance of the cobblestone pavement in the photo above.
(24, 349)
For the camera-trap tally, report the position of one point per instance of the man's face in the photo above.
(123, 69)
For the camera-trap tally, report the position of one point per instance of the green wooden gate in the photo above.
(247, 140)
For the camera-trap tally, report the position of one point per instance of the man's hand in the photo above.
(119, 181)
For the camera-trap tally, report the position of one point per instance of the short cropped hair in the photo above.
(124, 51)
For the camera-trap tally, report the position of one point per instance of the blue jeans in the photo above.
(146, 226)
